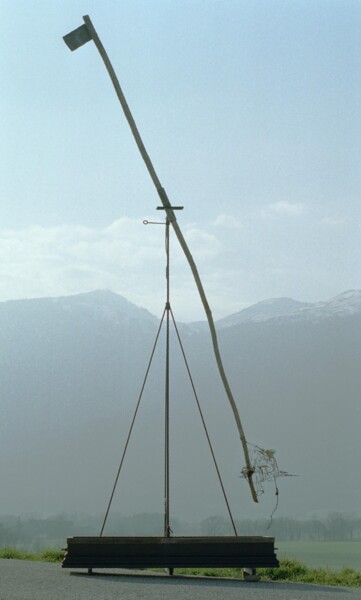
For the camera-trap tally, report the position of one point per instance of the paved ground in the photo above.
(25, 580)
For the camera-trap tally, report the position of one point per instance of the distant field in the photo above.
(334, 555)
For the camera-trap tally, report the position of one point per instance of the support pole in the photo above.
(167, 528)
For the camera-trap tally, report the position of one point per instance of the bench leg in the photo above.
(170, 571)
(250, 575)
(90, 571)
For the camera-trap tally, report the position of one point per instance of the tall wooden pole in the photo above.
(172, 219)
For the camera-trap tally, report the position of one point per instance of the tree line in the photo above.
(37, 533)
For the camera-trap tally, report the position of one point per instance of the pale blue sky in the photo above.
(251, 113)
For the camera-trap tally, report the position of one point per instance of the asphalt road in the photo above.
(25, 580)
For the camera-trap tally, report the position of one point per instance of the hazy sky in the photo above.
(251, 113)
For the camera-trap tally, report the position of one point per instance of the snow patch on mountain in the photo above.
(263, 311)
(346, 304)
(343, 305)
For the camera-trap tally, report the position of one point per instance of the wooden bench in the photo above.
(169, 553)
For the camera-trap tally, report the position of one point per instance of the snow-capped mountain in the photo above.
(98, 304)
(262, 311)
(345, 304)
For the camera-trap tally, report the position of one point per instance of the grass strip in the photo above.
(290, 570)
(50, 555)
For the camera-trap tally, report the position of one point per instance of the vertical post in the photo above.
(166, 415)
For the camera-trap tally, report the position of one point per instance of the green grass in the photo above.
(49, 555)
(293, 570)
(289, 570)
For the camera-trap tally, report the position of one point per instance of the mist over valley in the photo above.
(71, 369)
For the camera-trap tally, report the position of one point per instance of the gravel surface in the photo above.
(25, 580)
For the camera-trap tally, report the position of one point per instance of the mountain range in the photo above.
(71, 370)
